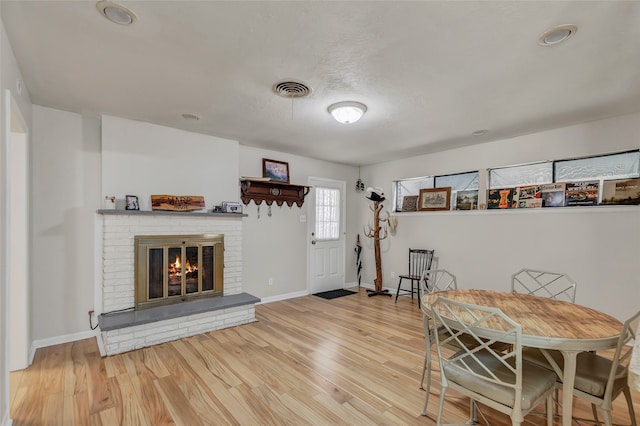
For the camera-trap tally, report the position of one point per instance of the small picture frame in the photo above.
(434, 199)
(410, 203)
(131, 202)
(275, 170)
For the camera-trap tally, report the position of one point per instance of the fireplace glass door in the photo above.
(170, 269)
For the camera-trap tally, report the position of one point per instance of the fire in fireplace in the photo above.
(175, 268)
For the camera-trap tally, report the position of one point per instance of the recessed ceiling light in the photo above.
(479, 132)
(557, 34)
(116, 12)
(347, 112)
(188, 116)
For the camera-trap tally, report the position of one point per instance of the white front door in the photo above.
(326, 235)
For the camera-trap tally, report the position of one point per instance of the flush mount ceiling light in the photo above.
(347, 112)
(116, 12)
(557, 34)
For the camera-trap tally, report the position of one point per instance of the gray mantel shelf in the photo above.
(168, 213)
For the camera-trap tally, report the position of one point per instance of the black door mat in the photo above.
(332, 294)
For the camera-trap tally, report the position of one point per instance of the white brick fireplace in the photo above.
(117, 289)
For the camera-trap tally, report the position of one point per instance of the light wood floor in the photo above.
(353, 360)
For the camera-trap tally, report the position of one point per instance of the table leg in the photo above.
(568, 379)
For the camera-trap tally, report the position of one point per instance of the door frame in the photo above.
(311, 181)
(19, 354)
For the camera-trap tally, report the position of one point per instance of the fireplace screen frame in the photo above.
(144, 243)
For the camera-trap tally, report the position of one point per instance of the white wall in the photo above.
(73, 169)
(9, 77)
(65, 196)
(599, 247)
(276, 246)
(143, 159)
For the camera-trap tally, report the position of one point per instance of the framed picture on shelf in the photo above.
(433, 199)
(131, 202)
(466, 200)
(410, 203)
(275, 170)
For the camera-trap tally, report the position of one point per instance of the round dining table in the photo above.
(548, 324)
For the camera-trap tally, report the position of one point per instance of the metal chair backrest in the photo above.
(553, 285)
(622, 357)
(487, 326)
(436, 280)
(419, 261)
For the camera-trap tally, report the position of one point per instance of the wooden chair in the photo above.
(501, 380)
(553, 285)
(599, 380)
(419, 261)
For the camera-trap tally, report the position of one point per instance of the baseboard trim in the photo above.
(283, 297)
(43, 343)
(6, 421)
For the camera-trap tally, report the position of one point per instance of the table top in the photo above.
(546, 323)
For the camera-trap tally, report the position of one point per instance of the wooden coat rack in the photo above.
(378, 232)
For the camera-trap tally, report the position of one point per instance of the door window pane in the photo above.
(327, 213)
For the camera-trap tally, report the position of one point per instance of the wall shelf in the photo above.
(270, 191)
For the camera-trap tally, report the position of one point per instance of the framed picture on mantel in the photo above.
(131, 202)
(275, 170)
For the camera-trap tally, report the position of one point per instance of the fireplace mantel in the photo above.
(169, 213)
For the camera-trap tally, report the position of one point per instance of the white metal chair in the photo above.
(432, 281)
(553, 285)
(501, 380)
(600, 380)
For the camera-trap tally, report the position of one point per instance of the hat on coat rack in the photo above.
(375, 194)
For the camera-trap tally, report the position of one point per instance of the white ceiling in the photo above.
(431, 73)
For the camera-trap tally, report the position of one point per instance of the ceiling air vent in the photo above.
(291, 89)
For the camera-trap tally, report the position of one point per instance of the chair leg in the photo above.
(441, 405)
(550, 404)
(427, 369)
(398, 291)
(607, 417)
(595, 414)
(632, 414)
(424, 369)
(473, 412)
(426, 402)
